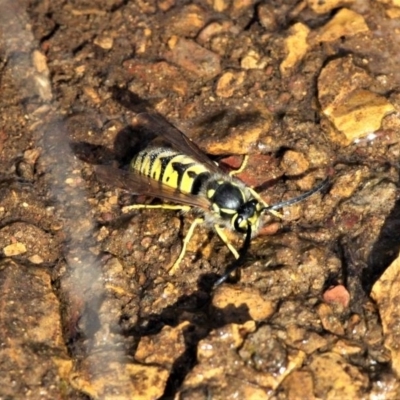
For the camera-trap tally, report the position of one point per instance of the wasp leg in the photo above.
(258, 197)
(186, 240)
(225, 239)
(163, 206)
(188, 236)
(242, 166)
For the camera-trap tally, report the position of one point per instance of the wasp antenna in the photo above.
(297, 199)
(239, 262)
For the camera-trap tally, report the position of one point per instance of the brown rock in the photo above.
(194, 58)
(100, 377)
(329, 320)
(229, 83)
(258, 308)
(322, 7)
(294, 163)
(335, 378)
(296, 47)
(160, 78)
(352, 110)
(188, 21)
(345, 185)
(345, 23)
(31, 333)
(163, 348)
(386, 294)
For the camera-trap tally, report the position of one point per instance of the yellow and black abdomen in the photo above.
(171, 168)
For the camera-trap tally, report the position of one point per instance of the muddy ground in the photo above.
(308, 90)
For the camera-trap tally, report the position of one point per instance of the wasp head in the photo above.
(248, 214)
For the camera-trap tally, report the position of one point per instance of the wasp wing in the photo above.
(161, 127)
(143, 185)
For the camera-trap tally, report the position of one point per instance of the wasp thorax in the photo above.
(226, 197)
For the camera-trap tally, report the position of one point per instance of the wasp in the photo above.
(186, 176)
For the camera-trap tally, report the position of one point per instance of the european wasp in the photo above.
(186, 176)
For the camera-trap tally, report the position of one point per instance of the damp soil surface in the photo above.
(308, 90)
